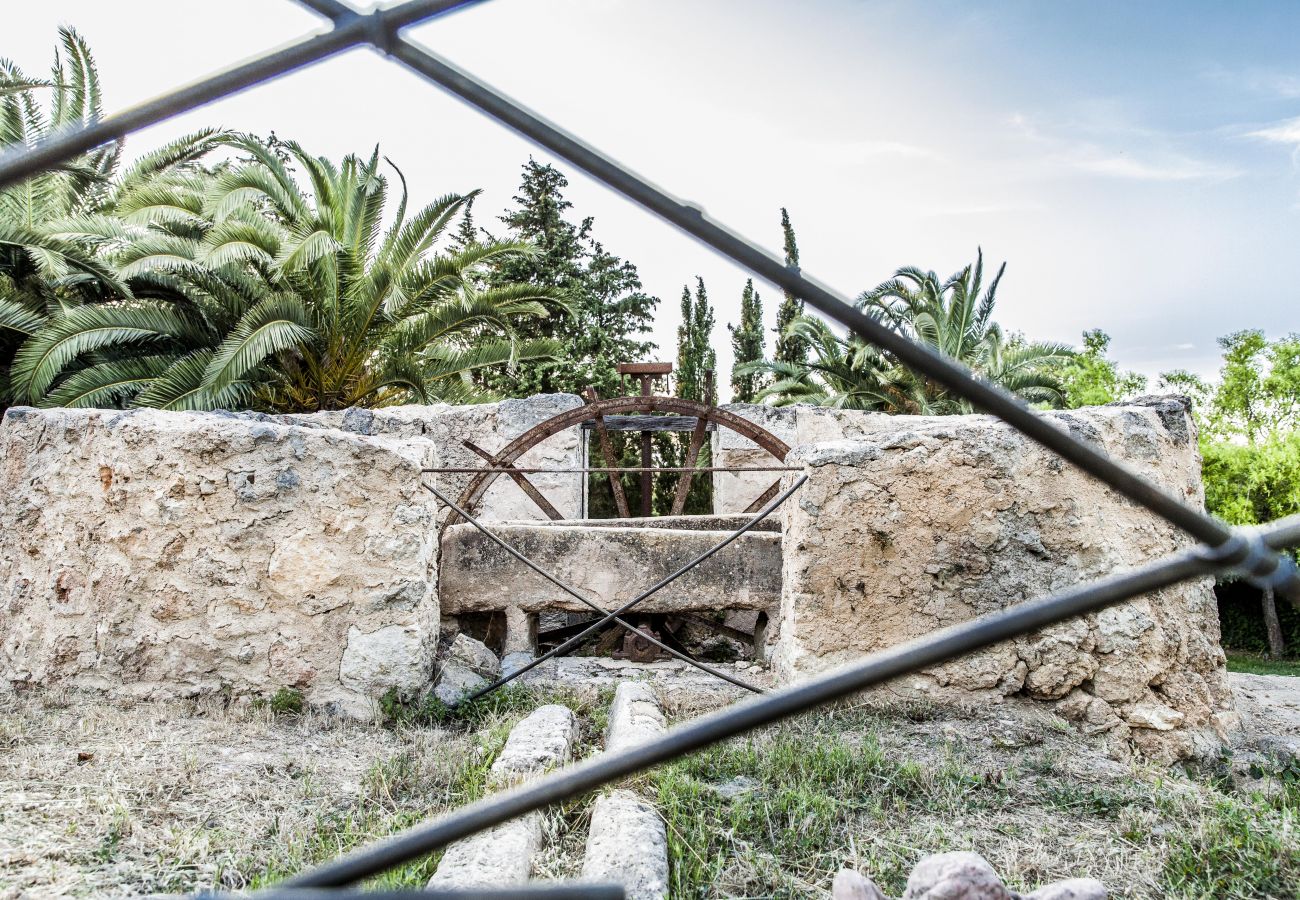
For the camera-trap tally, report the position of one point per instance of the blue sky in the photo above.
(1134, 163)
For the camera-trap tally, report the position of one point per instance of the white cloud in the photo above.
(1286, 131)
(1151, 157)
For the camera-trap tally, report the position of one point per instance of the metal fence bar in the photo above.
(520, 892)
(757, 712)
(592, 605)
(1252, 552)
(351, 30)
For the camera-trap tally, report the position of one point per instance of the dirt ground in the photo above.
(101, 799)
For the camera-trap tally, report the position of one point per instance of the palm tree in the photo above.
(953, 316)
(53, 225)
(255, 291)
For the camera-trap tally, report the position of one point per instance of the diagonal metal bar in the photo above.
(603, 623)
(757, 712)
(573, 592)
(607, 453)
(351, 29)
(692, 455)
(518, 892)
(931, 363)
(520, 479)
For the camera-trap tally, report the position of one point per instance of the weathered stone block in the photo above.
(920, 523)
(610, 564)
(156, 554)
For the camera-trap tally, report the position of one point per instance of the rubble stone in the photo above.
(634, 717)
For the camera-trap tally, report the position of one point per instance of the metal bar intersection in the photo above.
(1253, 553)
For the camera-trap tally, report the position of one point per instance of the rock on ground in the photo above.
(627, 844)
(634, 717)
(504, 855)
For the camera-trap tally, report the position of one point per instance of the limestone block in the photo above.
(627, 844)
(543, 740)
(959, 875)
(609, 564)
(634, 717)
(504, 855)
(915, 523)
(498, 857)
(160, 554)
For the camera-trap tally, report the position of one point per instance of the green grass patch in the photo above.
(1238, 849)
(1256, 664)
(769, 814)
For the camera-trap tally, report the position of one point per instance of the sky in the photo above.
(1136, 165)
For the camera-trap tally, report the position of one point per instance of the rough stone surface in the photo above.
(504, 855)
(609, 564)
(849, 885)
(473, 655)
(627, 844)
(634, 717)
(156, 554)
(540, 742)
(955, 876)
(455, 682)
(439, 431)
(1070, 889)
(921, 523)
(795, 425)
(498, 857)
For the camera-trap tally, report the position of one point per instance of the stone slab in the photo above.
(634, 717)
(610, 565)
(627, 844)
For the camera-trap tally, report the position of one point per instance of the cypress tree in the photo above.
(789, 349)
(747, 345)
(695, 353)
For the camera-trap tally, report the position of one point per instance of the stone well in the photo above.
(920, 523)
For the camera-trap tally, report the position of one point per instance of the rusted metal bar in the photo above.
(692, 454)
(648, 423)
(764, 497)
(607, 452)
(525, 485)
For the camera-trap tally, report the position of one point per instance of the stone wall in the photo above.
(440, 430)
(795, 425)
(920, 523)
(153, 554)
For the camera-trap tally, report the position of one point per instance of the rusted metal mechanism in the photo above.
(646, 413)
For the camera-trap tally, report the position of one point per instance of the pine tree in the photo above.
(610, 309)
(789, 348)
(747, 346)
(696, 358)
(466, 234)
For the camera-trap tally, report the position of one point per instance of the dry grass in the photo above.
(110, 799)
(117, 800)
